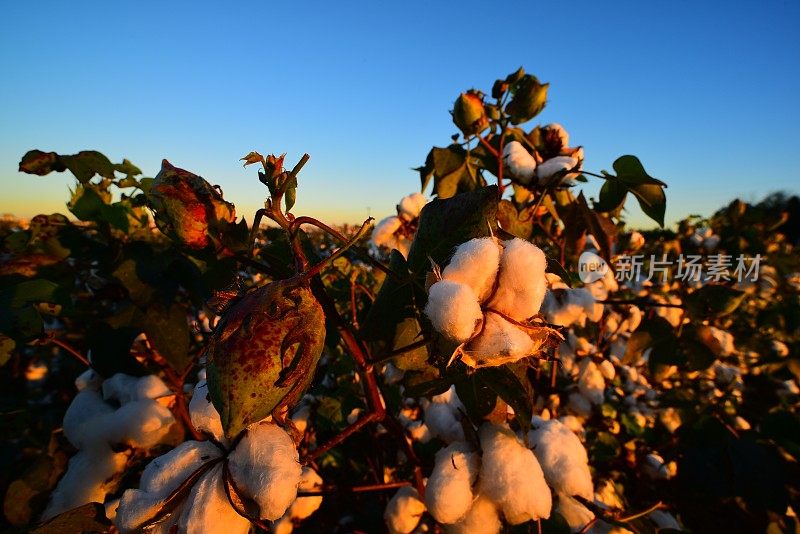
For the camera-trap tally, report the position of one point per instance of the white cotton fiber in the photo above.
(576, 514)
(303, 507)
(500, 342)
(443, 416)
(83, 425)
(521, 280)
(607, 369)
(403, 511)
(125, 388)
(591, 383)
(265, 466)
(562, 457)
(89, 478)
(411, 205)
(453, 310)
(207, 508)
(511, 477)
(520, 162)
(559, 131)
(482, 518)
(474, 263)
(160, 478)
(89, 379)
(546, 170)
(448, 493)
(205, 417)
(141, 423)
(384, 231)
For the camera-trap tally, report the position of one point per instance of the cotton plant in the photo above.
(547, 160)
(486, 299)
(396, 232)
(106, 421)
(219, 484)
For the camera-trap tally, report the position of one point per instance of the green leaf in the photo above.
(512, 385)
(84, 519)
(7, 346)
(652, 200)
(41, 163)
(612, 196)
(451, 171)
(554, 267)
(630, 171)
(513, 222)
(168, 329)
(478, 398)
(87, 205)
(713, 301)
(127, 168)
(529, 99)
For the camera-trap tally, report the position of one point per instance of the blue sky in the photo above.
(705, 93)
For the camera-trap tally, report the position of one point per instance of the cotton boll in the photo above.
(573, 307)
(384, 231)
(511, 477)
(482, 518)
(265, 467)
(81, 421)
(576, 514)
(448, 493)
(208, 509)
(475, 263)
(205, 417)
(670, 418)
(545, 171)
(160, 478)
(403, 511)
(303, 507)
(579, 405)
(607, 370)
(562, 457)
(88, 479)
(453, 310)
(591, 382)
(300, 417)
(411, 205)
(89, 379)
(500, 342)
(142, 423)
(520, 162)
(521, 280)
(419, 431)
(443, 418)
(125, 388)
(554, 129)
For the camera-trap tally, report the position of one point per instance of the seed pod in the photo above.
(187, 208)
(263, 354)
(469, 114)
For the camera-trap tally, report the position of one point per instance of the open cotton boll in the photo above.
(500, 342)
(546, 170)
(205, 417)
(83, 421)
(125, 388)
(511, 477)
(448, 493)
(207, 508)
(591, 383)
(142, 423)
(579, 405)
(265, 466)
(521, 283)
(474, 263)
(607, 370)
(562, 457)
(482, 518)
(520, 162)
(88, 479)
(453, 310)
(576, 515)
(443, 416)
(384, 231)
(303, 507)
(572, 306)
(160, 478)
(89, 379)
(403, 511)
(411, 205)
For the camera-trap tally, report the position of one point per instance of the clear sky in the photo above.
(705, 93)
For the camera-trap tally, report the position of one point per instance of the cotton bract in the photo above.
(488, 289)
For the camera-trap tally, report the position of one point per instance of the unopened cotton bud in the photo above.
(520, 162)
(482, 518)
(511, 477)
(521, 280)
(469, 114)
(453, 310)
(546, 170)
(475, 264)
(404, 511)
(448, 493)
